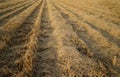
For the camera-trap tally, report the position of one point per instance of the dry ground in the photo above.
(59, 38)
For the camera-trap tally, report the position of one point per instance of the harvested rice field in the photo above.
(59, 38)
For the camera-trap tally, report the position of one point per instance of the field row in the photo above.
(51, 38)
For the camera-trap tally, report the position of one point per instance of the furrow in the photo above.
(8, 29)
(70, 48)
(8, 16)
(101, 24)
(89, 35)
(10, 4)
(104, 16)
(6, 10)
(45, 57)
(32, 47)
(21, 47)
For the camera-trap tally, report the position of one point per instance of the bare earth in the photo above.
(59, 38)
